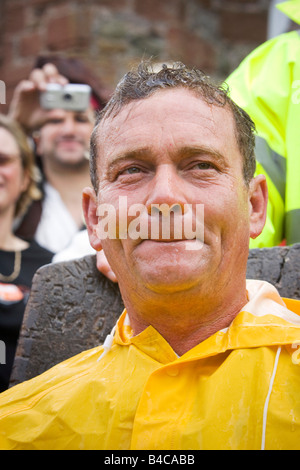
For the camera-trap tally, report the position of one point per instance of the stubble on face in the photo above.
(161, 131)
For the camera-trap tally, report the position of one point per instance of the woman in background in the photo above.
(19, 259)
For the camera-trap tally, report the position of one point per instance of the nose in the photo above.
(166, 191)
(68, 126)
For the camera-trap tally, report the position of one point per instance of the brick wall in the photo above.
(111, 35)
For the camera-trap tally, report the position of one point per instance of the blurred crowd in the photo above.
(44, 165)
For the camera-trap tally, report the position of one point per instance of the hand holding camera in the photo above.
(44, 90)
(71, 97)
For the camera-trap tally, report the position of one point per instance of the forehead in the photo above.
(8, 142)
(63, 114)
(167, 119)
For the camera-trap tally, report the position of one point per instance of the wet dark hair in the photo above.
(144, 81)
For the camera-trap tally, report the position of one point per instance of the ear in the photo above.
(89, 205)
(258, 200)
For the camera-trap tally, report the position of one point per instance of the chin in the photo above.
(73, 161)
(171, 270)
(171, 281)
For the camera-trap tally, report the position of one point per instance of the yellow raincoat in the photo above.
(238, 389)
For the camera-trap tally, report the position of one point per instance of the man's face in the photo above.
(173, 148)
(64, 139)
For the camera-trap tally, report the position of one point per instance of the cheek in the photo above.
(227, 212)
(87, 132)
(20, 181)
(115, 252)
(236, 220)
(12, 175)
(14, 182)
(44, 141)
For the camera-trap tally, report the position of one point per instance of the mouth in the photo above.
(173, 244)
(69, 144)
(167, 240)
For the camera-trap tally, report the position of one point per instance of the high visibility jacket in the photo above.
(238, 389)
(267, 86)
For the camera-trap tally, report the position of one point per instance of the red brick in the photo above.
(159, 10)
(14, 19)
(112, 4)
(13, 74)
(204, 3)
(65, 27)
(68, 30)
(42, 2)
(249, 2)
(239, 26)
(30, 45)
(61, 32)
(191, 49)
(7, 50)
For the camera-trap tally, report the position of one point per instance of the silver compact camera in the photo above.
(71, 97)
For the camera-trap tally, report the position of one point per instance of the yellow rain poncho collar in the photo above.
(238, 389)
(256, 328)
(291, 9)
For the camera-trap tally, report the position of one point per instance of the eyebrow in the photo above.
(140, 154)
(202, 150)
(145, 153)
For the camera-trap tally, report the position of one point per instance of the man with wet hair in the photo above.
(201, 358)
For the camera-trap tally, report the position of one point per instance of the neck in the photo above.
(8, 241)
(186, 322)
(69, 182)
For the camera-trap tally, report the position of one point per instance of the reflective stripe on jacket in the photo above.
(238, 389)
(267, 86)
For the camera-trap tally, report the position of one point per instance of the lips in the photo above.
(69, 143)
(170, 240)
(139, 225)
(185, 245)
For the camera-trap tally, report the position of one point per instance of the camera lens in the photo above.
(67, 97)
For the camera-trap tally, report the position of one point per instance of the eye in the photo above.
(4, 160)
(131, 174)
(203, 166)
(55, 121)
(132, 170)
(82, 118)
